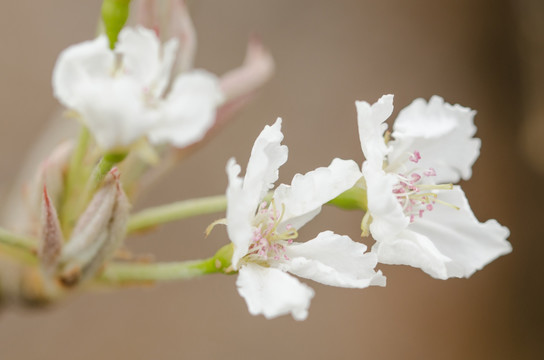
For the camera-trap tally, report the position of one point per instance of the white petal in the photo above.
(458, 235)
(267, 155)
(189, 110)
(273, 293)
(372, 126)
(114, 112)
(442, 133)
(388, 219)
(335, 260)
(169, 50)
(411, 248)
(140, 48)
(302, 200)
(77, 66)
(240, 213)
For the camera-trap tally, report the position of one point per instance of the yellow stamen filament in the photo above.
(365, 224)
(213, 224)
(447, 204)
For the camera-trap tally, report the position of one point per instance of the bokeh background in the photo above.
(481, 54)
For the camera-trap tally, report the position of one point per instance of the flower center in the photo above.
(268, 242)
(415, 193)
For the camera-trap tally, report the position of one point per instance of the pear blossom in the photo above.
(128, 93)
(263, 233)
(415, 213)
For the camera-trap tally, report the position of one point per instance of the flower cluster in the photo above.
(415, 216)
(139, 99)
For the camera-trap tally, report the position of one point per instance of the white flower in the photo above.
(414, 217)
(262, 234)
(122, 94)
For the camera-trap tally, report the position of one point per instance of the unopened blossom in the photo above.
(263, 233)
(128, 93)
(415, 213)
(99, 232)
(51, 239)
(171, 19)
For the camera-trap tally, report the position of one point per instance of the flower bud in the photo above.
(171, 19)
(257, 68)
(98, 233)
(51, 240)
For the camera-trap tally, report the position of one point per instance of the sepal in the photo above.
(351, 199)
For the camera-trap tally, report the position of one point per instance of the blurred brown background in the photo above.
(328, 54)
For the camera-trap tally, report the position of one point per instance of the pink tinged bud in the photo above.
(147, 15)
(182, 28)
(238, 86)
(257, 68)
(50, 174)
(115, 234)
(51, 239)
(171, 20)
(99, 232)
(52, 169)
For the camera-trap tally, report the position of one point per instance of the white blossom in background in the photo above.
(128, 93)
(263, 233)
(415, 214)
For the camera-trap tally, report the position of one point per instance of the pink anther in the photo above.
(415, 157)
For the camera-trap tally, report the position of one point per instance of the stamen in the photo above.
(414, 197)
(365, 224)
(430, 172)
(448, 204)
(213, 224)
(436, 187)
(268, 243)
(387, 137)
(415, 157)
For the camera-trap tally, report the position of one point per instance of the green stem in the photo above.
(130, 273)
(18, 241)
(77, 206)
(138, 273)
(77, 157)
(105, 164)
(73, 176)
(18, 247)
(151, 217)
